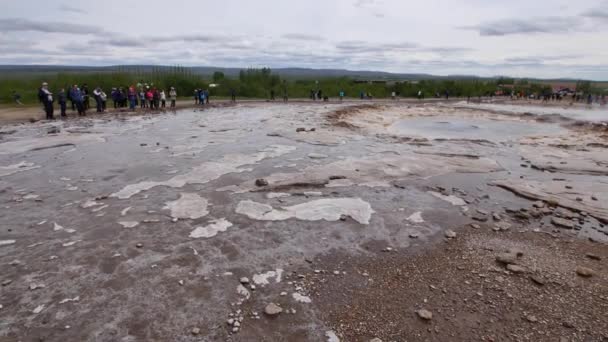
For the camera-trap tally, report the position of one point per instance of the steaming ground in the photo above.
(348, 219)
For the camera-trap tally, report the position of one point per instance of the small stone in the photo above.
(531, 319)
(230, 321)
(336, 272)
(538, 280)
(414, 235)
(563, 223)
(272, 309)
(261, 182)
(496, 217)
(283, 294)
(425, 314)
(237, 324)
(502, 226)
(584, 272)
(300, 129)
(375, 340)
(507, 258)
(343, 217)
(252, 287)
(244, 280)
(450, 234)
(593, 198)
(569, 187)
(196, 331)
(139, 245)
(515, 268)
(7, 282)
(539, 204)
(593, 256)
(181, 282)
(235, 330)
(475, 226)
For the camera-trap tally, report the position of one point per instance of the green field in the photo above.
(253, 83)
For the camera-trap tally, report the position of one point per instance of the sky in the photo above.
(519, 38)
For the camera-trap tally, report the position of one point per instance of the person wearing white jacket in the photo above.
(173, 96)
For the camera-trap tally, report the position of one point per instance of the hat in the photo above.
(45, 84)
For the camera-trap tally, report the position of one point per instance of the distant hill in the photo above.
(290, 73)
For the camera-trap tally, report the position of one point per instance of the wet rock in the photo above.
(230, 321)
(515, 268)
(53, 130)
(593, 256)
(562, 223)
(336, 177)
(585, 272)
(139, 245)
(425, 314)
(272, 309)
(261, 182)
(317, 156)
(300, 129)
(7, 282)
(244, 280)
(480, 218)
(195, 331)
(414, 235)
(593, 198)
(450, 234)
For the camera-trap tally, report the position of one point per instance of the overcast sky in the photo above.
(541, 38)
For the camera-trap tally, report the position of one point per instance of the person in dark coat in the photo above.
(62, 98)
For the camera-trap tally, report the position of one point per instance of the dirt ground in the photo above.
(374, 221)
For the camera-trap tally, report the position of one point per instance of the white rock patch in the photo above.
(188, 206)
(211, 230)
(330, 209)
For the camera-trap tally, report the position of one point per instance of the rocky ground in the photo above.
(306, 222)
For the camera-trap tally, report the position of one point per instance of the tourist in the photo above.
(271, 94)
(207, 96)
(97, 95)
(341, 95)
(104, 98)
(76, 96)
(163, 98)
(132, 98)
(85, 96)
(62, 98)
(197, 96)
(149, 98)
(46, 97)
(17, 98)
(233, 95)
(173, 96)
(156, 98)
(142, 98)
(201, 97)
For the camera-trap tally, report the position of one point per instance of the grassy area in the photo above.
(251, 83)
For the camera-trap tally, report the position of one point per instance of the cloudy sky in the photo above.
(541, 38)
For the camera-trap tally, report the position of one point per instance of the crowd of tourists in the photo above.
(79, 97)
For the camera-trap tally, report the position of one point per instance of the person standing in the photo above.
(97, 96)
(197, 95)
(163, 98)
(207, 96)
(62, 97)
(142, 98)
(132, 98)
(233, 95)
(149, 98)
(46, 97)
(76, 96)
(156, 98)
(173, 96)
(85, 96)
(341, 95)
(271, 94)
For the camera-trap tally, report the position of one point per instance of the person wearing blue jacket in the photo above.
(77, 97)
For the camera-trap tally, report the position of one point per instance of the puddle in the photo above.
(463, 128)
(595, 113)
